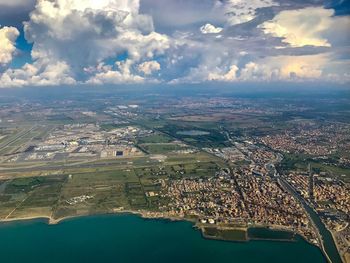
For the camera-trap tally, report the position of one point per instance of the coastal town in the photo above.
(241, 199)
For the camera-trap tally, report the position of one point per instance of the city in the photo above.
(227, 179)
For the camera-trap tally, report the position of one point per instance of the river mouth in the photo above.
(328, 242)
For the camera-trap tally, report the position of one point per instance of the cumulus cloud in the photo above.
(8, 36)
(210, 29)
(242, 11)
(83, 34)
(303, 27)
(149, 67)
(56, 73)
(119, 41)
(285, 68)
(297, 68)
(271, 68)
(230, 75)
(119, 73)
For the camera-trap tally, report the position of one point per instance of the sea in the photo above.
(127, 238)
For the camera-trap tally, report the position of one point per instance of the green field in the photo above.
(226, 234)
(161, 148)
(300, 162)
(130, 184)
(155, 138)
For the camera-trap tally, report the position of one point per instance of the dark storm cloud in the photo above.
(170, 15)
(13, 13)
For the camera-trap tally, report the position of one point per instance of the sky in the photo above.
(100, 42)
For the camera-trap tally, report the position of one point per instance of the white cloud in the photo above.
(210, 29)
(83, 34)
(149, 67)
(230, 75)
(241, 11)
(112, 41)
(8, 36)
(309, 67)
(57, 73)
(307, 26)
(272, 68)
(122, 74)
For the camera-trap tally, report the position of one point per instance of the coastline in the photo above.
(111, 235)
(156, 215)
(160, 216)
(52, 221)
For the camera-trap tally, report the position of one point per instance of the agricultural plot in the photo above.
(155, 138)
(94, 193)
(161, 148)
(29, 197)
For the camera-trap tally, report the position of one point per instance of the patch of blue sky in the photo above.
(120, 57)
(341, 7)
(23, 51)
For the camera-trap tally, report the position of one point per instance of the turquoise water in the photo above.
(129, 238)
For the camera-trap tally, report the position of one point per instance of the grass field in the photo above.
(132, 184)
(300, 162)
(161, 148)
(225, 234)
(155, 138)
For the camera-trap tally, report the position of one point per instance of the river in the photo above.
(328, 242)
